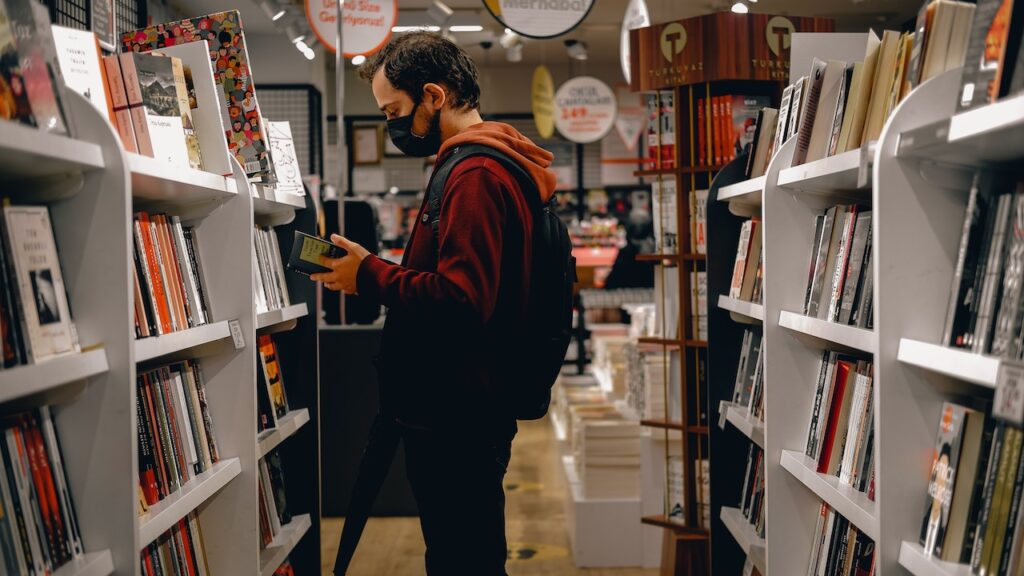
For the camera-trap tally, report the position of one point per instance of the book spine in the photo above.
(1012, 512)
(153, 273)
(197, 267)
(856, 262)
(168, 269)
(981, 536)
(137, 111)
(197, 411)
(702, 159)
(842, 261)
(993, 271)
(716, 128)
(122, 117)
(207, 421)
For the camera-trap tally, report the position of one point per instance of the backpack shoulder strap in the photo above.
(439, 179)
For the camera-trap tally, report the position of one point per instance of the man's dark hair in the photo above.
(412, 60)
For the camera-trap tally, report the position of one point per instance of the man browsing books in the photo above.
(457, 303)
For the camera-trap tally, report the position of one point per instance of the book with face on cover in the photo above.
(244, 128)
(272, 372)
(14, 101)
(31, 28)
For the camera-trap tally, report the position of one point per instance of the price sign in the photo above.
(539, 18)
(366, 24)
(236, 334)
(1009, 398)
(585, 109)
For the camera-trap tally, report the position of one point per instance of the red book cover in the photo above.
(167, 247)
(26, 443)
(716, 129)
(186, 547)
(122, 118)
(159, 292)
(728, 153)
(702, 140)
(842, 373)
(161, 462)
(49, 493)
(147, 461)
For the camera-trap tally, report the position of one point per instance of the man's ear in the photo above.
(435, 94)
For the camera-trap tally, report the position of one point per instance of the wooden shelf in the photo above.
(694, 257)
(914, 560)
(838, 175)
(986, 135)
(750, 427)
(154, 347)
(663, 522)
(266, 321)
(829, 333)
(676, 171)
(91, 564)
(696, 343)
(963, 365)
(671, 425)
(164, 514)
(746, 192)
(853, 505)
(32, 379)
(158, 182)
(27, 152)
(657, 257)
(749, 310)
(277, 551)
(745, 535)
(287, 425)
(654, 341)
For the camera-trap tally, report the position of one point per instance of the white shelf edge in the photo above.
(960, 364)
(29, 141)
(287, 426)
(277, 551)
(164, 514)
(1001, 115)
(154, 347)
(750, 427)
(830, 169)
(281, 315)
(853, 505)
(914, 560)
(848, 336)
(743, 533)
(741, 307)
(747, 191)
(268, 200)
(170, 176)
(22, 381)
(90, 564)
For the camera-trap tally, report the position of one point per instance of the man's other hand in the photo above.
(343, 270)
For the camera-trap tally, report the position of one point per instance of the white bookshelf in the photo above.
(741, 419)
(277, 551)
(275, 207)
(914, 560)
(287, 426)
(853, 505)
(164, 514)
(52, 374)
(156, 181)
(989, 134)
(744, 197)
(180, 342)
(844, 175)
(747, 311)
(90, 564)
(962, 365)
(27, 152)
(275, 319)
(828, 334)
(745, 535)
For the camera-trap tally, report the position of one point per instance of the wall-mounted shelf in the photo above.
(90, 564)
(749, 310)
(829, 333)
(913, 558)
(45, 376)
(266, 321)
(164, 514)
(743, 532)
(853, 505)
(838, 176)
(746, 192)
(989, 134)
(27, 152)
(174, 343)
(287, 425)
(963, 365)
(277, 551)
(158, 182)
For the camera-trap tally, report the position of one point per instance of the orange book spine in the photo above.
(121, 116)
(170, 257)
(138, 113)
(729, 142)
(716, 128)
(159, 293)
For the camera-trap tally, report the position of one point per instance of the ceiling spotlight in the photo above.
(510, 39)
(294, 35)
(309, 54)
(466, 28)
(740, 8)
(439, 12)
(577, 50)
(312, 42)
(273, 12)
(399, 29)
(514, 53)
(358, 60)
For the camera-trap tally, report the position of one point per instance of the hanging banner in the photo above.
(631, 118)
(539, 18)
(366, 24)
(542, 98)
(584, 109)
(636, 16)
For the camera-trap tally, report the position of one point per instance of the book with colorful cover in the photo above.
(14, 100)
(32, 34)
(272, 372)
(943, 477)
(244, 129)
(744, 120)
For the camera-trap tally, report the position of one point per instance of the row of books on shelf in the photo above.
(273, 502)
(984, 313)
(748, 388)
(663, 213)
(972, 511)
(271, 288)
(181, 551)
(661, 129)
(271, 400)
(841, 433)
(840, 548)
(35, 316)
(752, 496)
(176, 436)
(840, 282)
(654, 384)
(39, 531)
(666, 304)
(725, 127)
(748, 269)
(170, 294)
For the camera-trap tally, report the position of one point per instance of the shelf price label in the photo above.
(1009, 398)
(236, 334)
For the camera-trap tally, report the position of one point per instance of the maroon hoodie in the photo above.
(456, 304)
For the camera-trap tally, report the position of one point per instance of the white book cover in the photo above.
(676, 489)
(665, 226)
(45, 315)
(702, 221)
(79, 56)
(286, 161)
(168, 135)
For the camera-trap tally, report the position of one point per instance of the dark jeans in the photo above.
(457, 482)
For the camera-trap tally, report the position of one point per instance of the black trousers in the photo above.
(457, 482)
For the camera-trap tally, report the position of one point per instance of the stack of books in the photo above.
(747, 273)
(725, 127)
(34, 312)
(611, 355)
(180, 550)
(176, 438)
(840, 436)
(752, 497)
(839, 547)
(840, 282)
(271, 401)
(661, 129)
(986, 296)
(39, 532)
(273, 503)
(608, 457)
(271, 287)
(659, 386)
(972, 511)
(168, 280)
(748, 388)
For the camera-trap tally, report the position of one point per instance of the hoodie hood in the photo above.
(532, 158)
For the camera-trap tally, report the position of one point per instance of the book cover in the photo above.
(881, 86)
(943, 477)
(744, 112)
(701, 229)
(276, 470)
(782, 126)
(78, 53)
(826, 103)
(811, 97)
(702, 138)
(740, 264)
(186, 102)
(797, 106)
(840, 114)
(993, 274)
(973, 446)
(14, 97)
(862, 230)
(162, 114)
(860, 98)
(244, 129)
(1008, 319)
(34, 40)
(830, 227)
(666, 232)
(272, 372)
(838, 418)
(996, 460)
(763, 142)
(667, 119)
(122, 119)
(751, 262)
(286, 162)
(839, 269)
(990, 36)
(716, 129)
(676, 489)
(727, 134)
(653, 129)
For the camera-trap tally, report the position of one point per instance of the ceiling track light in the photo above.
(272, 10)
(514, 53)
(400, 29)
(576, 49)
(439, 12)
(470, 28)
(510, 39)
(739, 8)
(358, 60)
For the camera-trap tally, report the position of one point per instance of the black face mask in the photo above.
(400, 131)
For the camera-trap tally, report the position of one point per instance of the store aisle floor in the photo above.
(535, 518)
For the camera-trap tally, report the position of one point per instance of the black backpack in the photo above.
(526, 383)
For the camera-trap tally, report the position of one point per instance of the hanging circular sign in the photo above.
(636, 16)
(584, 109)
(539, 18)
(542, 98)
(366, 24)
(631, 119)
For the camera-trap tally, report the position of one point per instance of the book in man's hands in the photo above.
(306, 253)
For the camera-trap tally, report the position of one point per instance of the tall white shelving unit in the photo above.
(915, 180)
(92, 188)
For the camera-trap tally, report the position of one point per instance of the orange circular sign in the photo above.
(366, 24)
